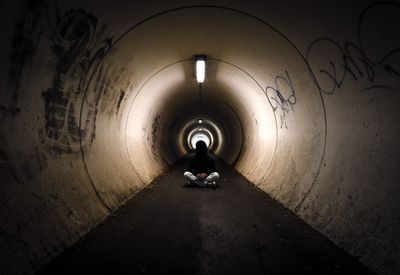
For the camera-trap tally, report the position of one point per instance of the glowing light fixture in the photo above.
(200, 68)
(200, 121)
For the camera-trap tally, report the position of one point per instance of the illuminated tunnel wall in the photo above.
(99, 98)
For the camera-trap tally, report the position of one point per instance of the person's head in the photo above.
(201, 148)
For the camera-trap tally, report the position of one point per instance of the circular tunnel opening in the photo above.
(200, 134)
(211, 130)
(170, 121)
(256, 124)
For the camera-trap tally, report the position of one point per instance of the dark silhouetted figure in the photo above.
(201, 169)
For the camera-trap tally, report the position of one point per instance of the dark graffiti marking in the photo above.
(378, 26)
(349, 62)
(121, 97)
(78, 52)
(27, 32)
(380, 22)
(333, 64)
(282, 97)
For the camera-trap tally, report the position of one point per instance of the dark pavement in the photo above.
(234, 229)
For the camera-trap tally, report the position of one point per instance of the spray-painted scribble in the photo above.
(78, 49)
(27, 34)
(282, 97)
(333, 63)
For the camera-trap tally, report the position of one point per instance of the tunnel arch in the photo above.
(275, 90)
(258, 56)
(200, 134)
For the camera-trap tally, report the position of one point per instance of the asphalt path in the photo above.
(233, 229)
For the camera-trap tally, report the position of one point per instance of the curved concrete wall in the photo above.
(97, 100)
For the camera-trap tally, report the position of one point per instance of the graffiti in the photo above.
(27, 32)
(121, 97)
(78, 53)
(334, 64)
(282, 97)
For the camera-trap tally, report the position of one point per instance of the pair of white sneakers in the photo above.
(212, 184)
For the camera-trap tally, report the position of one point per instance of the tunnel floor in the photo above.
(234, 229)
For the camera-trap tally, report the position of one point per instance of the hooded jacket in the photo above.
(201, 161)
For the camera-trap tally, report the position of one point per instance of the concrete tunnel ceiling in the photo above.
(121, 103)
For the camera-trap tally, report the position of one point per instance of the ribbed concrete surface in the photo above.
(235, 229)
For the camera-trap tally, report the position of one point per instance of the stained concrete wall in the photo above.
(96, 97)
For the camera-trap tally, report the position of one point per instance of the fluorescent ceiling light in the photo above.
(200, 68)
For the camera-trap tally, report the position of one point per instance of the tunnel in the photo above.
(100, 98)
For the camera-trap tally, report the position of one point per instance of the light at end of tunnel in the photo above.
(200, 68)
(200, 136)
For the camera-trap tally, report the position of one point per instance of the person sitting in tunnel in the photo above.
(201, 169)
